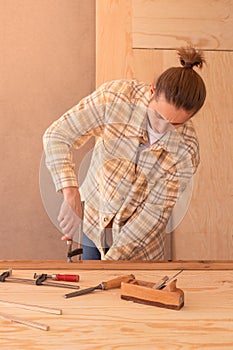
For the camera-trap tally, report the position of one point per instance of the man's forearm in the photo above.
(72, 196)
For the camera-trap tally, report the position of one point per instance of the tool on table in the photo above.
(39, 281)
(59, 277)
(32, 307)
(162, 294)
(24, 322)
(164, 281)
(161, 283)
(111, 284)
(70, 252)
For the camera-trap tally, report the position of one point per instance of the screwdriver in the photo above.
(111, 284)
(60, 277)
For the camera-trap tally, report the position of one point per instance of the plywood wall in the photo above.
(206, 232)
(47, 64)
(159, 24)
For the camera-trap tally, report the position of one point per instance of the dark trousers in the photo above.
(90, 251)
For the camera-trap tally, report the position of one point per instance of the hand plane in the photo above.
(165, 295)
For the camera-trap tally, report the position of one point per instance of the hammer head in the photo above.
(4, 275)
(74, 252)
(70, 252)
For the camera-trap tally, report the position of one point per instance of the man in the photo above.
(145, 153)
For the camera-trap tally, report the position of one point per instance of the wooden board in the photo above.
(114, 265)
(169, 24)
(102, 320)
(206, 230)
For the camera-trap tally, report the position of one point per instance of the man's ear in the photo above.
(152, 89)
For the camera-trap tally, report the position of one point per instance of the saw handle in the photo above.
(116, 282)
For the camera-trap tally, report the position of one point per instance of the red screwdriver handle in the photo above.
(68, 278)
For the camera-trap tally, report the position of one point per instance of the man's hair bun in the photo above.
(190, 57)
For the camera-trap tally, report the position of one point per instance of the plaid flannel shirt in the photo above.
(136, 194)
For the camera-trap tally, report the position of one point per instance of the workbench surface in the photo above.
(102, 320)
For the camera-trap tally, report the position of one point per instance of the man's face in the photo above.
(164, 116)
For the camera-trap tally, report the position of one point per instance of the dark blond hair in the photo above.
(182, 86)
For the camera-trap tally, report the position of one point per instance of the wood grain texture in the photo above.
(114, 57)
(206, 230)
(169, 24)
(102, 320)
(113, 265)
(32, 307)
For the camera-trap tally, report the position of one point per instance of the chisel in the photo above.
(114, 283)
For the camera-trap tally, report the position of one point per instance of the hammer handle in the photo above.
(116, 282)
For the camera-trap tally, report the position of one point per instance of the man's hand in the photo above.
(70, 215)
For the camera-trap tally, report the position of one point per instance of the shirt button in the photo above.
(105, 219)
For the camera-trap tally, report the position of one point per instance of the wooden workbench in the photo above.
(102, 320)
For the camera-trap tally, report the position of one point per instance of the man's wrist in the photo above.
(69, 192)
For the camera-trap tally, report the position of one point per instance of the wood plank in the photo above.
(205, 321)
(114, 54)
(24, 322)
(169, 24)
(206, 230)
(113, 265)
(32, 307)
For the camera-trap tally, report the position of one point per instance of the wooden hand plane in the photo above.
(143, 292)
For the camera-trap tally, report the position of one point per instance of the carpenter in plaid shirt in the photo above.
(145, 154)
